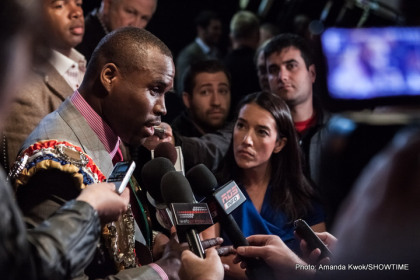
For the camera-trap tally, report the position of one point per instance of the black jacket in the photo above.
(59, 248)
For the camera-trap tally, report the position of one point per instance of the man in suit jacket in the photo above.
(65, 244)
(121, 99)
(113, 14)
(50, 84)
(209, 31)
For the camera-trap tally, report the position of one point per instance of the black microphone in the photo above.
(151, 175)
(222, 201)
(171, 152)
(190, 217)
(166, 150)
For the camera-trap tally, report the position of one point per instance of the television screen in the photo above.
(372, 63)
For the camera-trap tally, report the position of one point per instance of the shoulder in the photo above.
(192, 50)
(183, 125)
(56, 126)
(55, 155)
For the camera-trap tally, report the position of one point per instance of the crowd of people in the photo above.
(80, 93)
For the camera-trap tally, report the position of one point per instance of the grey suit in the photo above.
(45, 91)
(190, 54)
(67, 124)
(52, 187)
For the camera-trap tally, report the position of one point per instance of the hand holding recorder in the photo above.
(313, 245)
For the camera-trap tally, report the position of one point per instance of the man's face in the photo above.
(289, 77)
(65, 18)
(209, 102)
(122, 13)
(213, 32)
(136, 100)
(262, 72)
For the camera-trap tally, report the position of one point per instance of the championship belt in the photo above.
(51, 154)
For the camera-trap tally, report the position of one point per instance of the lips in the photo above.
(149, 127)
(149, 130)
(216, 113)
(285, 87)
(245, 153)
(77, 28)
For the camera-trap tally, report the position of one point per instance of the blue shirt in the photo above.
(271, 221)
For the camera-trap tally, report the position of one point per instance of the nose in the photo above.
(215, 99)
(283, 75)
(160, 107)
(76, 11)
(247, 140)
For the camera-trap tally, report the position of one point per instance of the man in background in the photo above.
(291, 75)
(245, 36)
(207, 99)
(113, 14)
(209, 32)
(49, 84)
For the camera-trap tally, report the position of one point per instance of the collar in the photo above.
(104, 132)
(206, 49)
(62, 63)
(306, 124)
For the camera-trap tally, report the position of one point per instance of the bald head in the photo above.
(126, 47)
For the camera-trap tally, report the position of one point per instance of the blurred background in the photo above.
(173, 21)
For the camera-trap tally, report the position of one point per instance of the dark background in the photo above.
(173, 20)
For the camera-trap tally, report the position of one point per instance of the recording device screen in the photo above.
(381, 65)
(121, 174)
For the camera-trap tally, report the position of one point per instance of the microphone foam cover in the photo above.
(175, 188)
(166, 150)
(152, 173)
(202, 180)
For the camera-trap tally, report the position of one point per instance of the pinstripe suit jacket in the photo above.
(67, 124)
(45, 91)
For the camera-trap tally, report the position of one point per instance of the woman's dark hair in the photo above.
(291, 192)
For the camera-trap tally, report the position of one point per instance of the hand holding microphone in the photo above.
(151, 174)
(163, 133)
(222, 201)
(189, 217)
(165, 157)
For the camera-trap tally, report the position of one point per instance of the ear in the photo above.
(312, 73)
(280, 145)
(186, 98)
(109, 75)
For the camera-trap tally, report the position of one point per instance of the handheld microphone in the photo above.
(151, 175)
(166, 150)
(222, 201)
(169, 151)
(190, 217)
